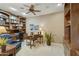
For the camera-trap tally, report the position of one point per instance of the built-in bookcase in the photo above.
(71, 28)
(12, 22)
(67, 24)
(67, 27)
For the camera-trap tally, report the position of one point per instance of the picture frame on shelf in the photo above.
(2, 21)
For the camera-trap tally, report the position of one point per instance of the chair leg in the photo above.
(42, 40)
(30, 44)
(34, 43)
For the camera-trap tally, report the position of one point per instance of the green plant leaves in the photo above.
(3, 41)
(48, 37)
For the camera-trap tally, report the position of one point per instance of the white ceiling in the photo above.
(46, 8)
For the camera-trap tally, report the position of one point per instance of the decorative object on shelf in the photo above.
(2, 21)
(3, 18)
(49, 38)
(13, 19)
(3, 44)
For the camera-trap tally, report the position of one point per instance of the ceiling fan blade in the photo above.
(33, 12)
(26, 6)
(22, 8)
(28, 12)
(37, 10)
(32, 7)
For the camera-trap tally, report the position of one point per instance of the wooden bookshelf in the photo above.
(13, 22)
(71, 27)
(67, 25)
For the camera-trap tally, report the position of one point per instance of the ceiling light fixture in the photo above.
(13, 9)
(59, 4)
(24, 14)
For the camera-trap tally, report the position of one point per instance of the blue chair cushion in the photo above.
(18, 44)
(8, 36)
(10, 41)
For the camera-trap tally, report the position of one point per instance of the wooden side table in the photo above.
(10, 50)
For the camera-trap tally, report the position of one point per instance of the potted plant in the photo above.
(3, 44)
(48, 38)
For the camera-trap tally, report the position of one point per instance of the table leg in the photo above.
(30, 44)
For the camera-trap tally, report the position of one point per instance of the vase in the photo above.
(3, 48)
(49, 43)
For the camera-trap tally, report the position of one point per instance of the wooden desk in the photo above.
(31, 40)
(41, 38)
(10, 50)
(34, 38)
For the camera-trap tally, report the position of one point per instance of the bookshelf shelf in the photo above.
(14, 23)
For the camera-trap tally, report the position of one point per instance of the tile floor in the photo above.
(56, 49)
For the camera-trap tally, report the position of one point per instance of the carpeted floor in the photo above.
(56, 49)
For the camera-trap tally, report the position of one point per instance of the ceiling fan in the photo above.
(31, 9)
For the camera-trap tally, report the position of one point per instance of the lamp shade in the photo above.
(2, 29)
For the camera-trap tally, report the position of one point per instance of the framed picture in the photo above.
(31, 27)
(34, 27)
(2, 21)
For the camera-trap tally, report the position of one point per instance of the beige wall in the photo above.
(49, 23)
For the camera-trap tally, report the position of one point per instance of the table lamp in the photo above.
(2, 30)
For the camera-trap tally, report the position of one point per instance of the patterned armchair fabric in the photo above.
(8, 36)
(10, 41)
